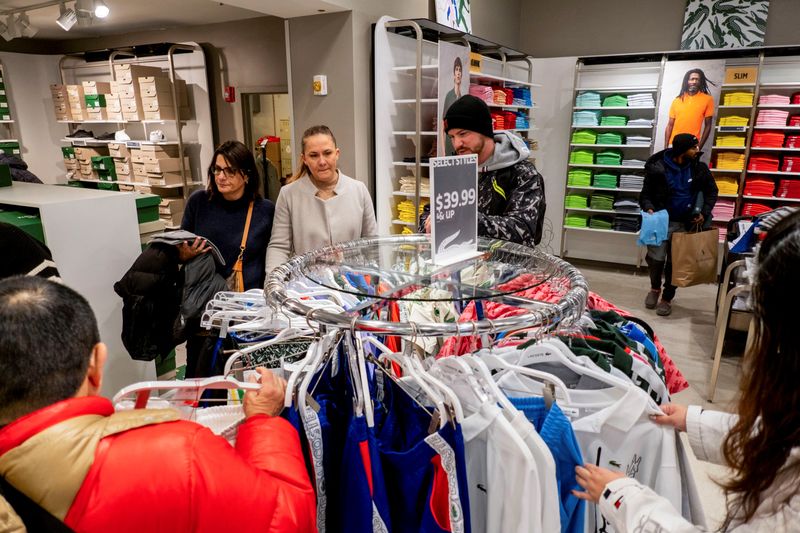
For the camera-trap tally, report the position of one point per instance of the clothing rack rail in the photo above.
(520, 260)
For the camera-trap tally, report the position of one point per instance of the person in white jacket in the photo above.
(761, 442)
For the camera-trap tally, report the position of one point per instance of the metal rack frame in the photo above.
(564, 312)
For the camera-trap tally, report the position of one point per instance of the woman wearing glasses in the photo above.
(219, 214)
(319, 205)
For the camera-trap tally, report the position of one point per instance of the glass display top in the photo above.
(401, 269)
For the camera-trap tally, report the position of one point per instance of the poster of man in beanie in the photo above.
(453, 84)
(689, 92)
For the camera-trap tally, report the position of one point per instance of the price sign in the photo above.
(454, 208)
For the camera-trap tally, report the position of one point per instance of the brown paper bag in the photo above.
(694, 257)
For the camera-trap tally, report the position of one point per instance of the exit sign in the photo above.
(743, 75)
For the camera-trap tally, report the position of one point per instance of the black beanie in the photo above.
(469, 113)
(682, 142)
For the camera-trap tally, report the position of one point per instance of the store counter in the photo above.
(94, 238)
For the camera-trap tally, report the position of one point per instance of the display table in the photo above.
(94, 238)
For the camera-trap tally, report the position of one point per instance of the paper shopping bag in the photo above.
(694, 257)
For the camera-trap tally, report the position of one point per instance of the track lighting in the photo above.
(7, 28)
(101, 10)
(67, 18)
(25, 27)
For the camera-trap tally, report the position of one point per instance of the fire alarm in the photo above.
(229, 94)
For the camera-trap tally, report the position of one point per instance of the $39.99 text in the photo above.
(446, 203)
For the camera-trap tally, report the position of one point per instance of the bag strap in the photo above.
(34, 516)
(246, 231)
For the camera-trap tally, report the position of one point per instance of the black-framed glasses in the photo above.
(228, 171)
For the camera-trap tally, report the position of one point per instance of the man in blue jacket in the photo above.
(676, 180)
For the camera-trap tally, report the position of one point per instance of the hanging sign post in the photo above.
(454, 208)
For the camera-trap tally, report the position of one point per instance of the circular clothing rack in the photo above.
(381, 270)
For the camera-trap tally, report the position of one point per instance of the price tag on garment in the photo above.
(454, 208)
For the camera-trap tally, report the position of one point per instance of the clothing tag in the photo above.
(570, 412)
(434, 425)
(311, 402)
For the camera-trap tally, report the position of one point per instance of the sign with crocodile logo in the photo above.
(709, 24)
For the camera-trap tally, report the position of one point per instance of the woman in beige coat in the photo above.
(319, 205)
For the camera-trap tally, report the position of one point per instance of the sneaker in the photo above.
(664, 308)
(121, 136)
(81, 134)
(652, 298)
(109, 136)
(156, 136)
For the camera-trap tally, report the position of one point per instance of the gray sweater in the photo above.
(304, 222)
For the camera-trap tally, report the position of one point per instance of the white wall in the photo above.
(28, 78)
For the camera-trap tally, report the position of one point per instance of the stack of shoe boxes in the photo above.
(103, 165)
(126, 88)
(5, 110)
(122, 161)
(95, 97)
(157, 98)
(60, 102)
(70, 161)
(77, 102)
(84, 155)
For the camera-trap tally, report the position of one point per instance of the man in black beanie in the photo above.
(511, 201)
(676, 180)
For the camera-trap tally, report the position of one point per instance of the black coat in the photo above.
(160, 299)
(655, 191)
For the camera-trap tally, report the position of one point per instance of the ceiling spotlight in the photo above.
(67, 19)
(25, 27)
(7, 29)
(101, 10)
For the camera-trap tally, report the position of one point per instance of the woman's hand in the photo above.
(674, 415)
(187, 252)
(267, 401)
(593, 479)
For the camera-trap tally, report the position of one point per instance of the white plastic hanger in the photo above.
(283, 336)
(141, 391)
(493, 361)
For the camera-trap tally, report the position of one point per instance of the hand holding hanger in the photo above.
(268, 399)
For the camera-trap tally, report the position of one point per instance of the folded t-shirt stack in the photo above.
(607, 180)
(602, 201)
(638, 163)
(768, 139)
(615, 100)
(727, 184)
(627, 205)
(641, 100)
(752, 209)
(498, 121)
(790, 164)
(646, 122)
(638, 140)
(522, 96)
(764, 163)
(757, 186)
(408, 184)
(576, 220)
(587, 99)
(581, 157)
(738, 98)
(730, 161)
(792, 141)
(772, 117)
(405, 210)
(522, 120)
(586, 118)
(610, 137)
(509, 120)
(613, 120)
(609, 157)
(601, 222)
(795, 98)
(724, 210)
(627, 223)
(499, 96)
(788, 189)
(509, 95)
(579, 177)
(484, 92)
(584, 137)
(631, 181)
(794, 121)
(729, 140)
(576, 201)
(734, 120)
(773, 99)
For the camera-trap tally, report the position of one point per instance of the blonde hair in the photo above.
(302, 169)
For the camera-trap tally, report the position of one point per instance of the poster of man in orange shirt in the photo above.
(688, 100)
(692, 110)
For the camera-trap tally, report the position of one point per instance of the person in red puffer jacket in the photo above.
(66, 458)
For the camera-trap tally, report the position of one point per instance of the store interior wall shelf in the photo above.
(403, 68)
(734, 106)
(409, 164)
(7, 121)
(610, 189)
(629, 233)
(782, 84)
(772, 199)
(579, 127)
(780, 106)
(611, 145)
(490, 77)
(616, 167)
(403, 223)
(770, 173)
(411, 194)
(737, 85)
(412, 133)
(414, 101)
(770, 149)
(728, 170)
(628, 89)
(781, 128)
(615, 108)
(590, 210)
(720, 195)
(717, 147)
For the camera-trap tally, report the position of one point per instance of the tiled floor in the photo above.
(688, 336)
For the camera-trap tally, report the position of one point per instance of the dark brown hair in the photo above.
(237, 156)
(302, 169)
(758, 445)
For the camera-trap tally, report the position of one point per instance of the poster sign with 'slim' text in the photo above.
(454, 208)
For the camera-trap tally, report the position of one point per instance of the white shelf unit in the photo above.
(406, 104)
(192, 135)
(607, 79)
(7, 131)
